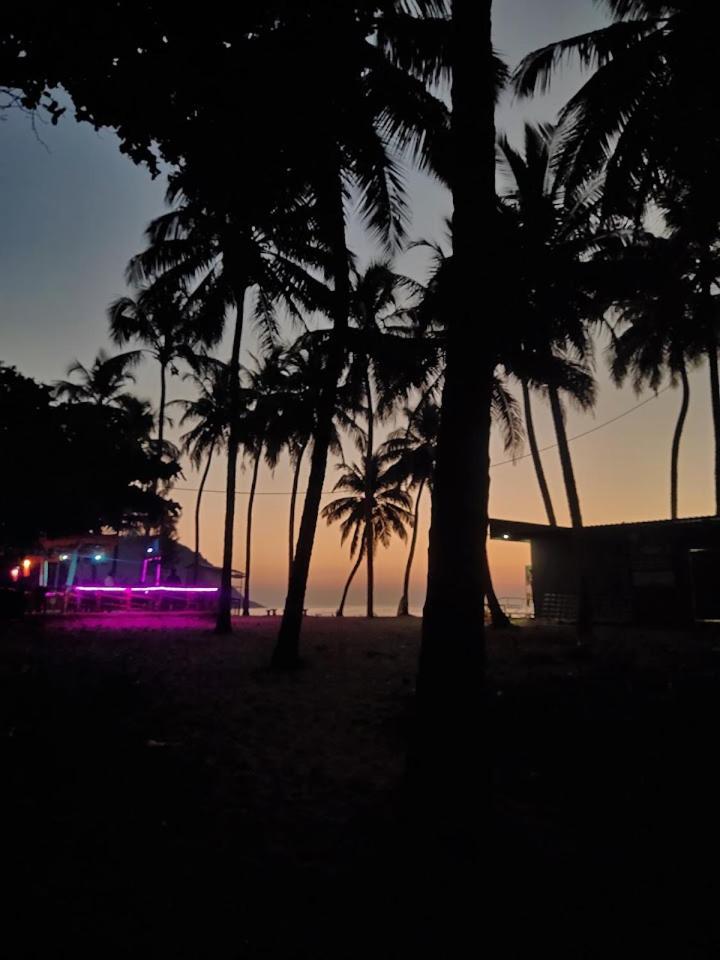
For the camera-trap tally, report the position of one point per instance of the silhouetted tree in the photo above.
(231, 252)
(411, 451)
(655, 332)
(103, 383)
(646, 116)
(170, 325)
(303, 365)
(553, 236)
(211, 412)
(368, 482)
(368, 67)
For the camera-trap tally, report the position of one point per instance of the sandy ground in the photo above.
(165, 793)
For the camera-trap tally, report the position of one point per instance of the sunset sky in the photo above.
(73, 210)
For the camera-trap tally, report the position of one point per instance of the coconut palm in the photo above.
(103, 383)
(170, 326)
(228, 251)
(262, 431)
(654, 334)
(210, 412)
(303, 366)
(553, 238)
(411, 452)
(382, 362)
(371, 77)
(649, 106)
(368, 481)
(647, 114)
(692, 222)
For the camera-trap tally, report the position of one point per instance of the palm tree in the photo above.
(647, 115)
(649, 105)
(262, 431)
(163, 319)
(102, 384)
(211, 414)
(451, 666)
(227, 252)
(553, 235)
(368, 66)
(535, 453)
(654, 332)
(363, 482)
(412, 454)
(380, 367)
(303, 365)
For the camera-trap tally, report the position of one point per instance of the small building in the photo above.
(664, 572)
(110, 571)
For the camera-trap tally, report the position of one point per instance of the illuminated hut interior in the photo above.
(106, 572)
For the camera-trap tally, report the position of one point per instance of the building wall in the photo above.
(663, 575)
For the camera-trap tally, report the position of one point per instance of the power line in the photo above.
(586, 433)
(244, 493)
(500, 463)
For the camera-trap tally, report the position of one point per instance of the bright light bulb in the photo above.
(64, 556)
(26, 564)
(506, 536)
(149, 550)
(98, 556)
(14, 573)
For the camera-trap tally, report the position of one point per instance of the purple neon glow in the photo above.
(147, 589)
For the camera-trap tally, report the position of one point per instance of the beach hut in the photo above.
(663, 572)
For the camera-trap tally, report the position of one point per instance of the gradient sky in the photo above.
(73, 210)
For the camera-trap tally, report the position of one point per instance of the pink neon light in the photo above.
(147, 589)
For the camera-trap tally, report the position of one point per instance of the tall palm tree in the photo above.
(170, 326)
(553, 235)
(370, 76)
(210, 411)
(412, 455)
(265, 398)
(303, 365)
(654, 334)
(103, 383)
(228, 252)
(451, 666)
(363, 482)
(651, 98)
(535, 453)
(647, 114)
(380, 368)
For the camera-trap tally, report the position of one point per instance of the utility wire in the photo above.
(586, 433)
(500, 463)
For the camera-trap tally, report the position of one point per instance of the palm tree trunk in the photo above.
(286, 652)
(498, 617)
(248, 533)
(116, 552)
(293, 503)
(565, 458)
(369, 493)
(444, 765)
(535, 453)
(404, 605)
(161, 421)
(198, 502)
(356, 567)
(224, 614)
(677, 437)
(712, 352)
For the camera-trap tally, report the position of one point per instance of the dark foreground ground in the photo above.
(164, 795)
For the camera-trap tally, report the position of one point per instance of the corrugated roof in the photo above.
(518, 529)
